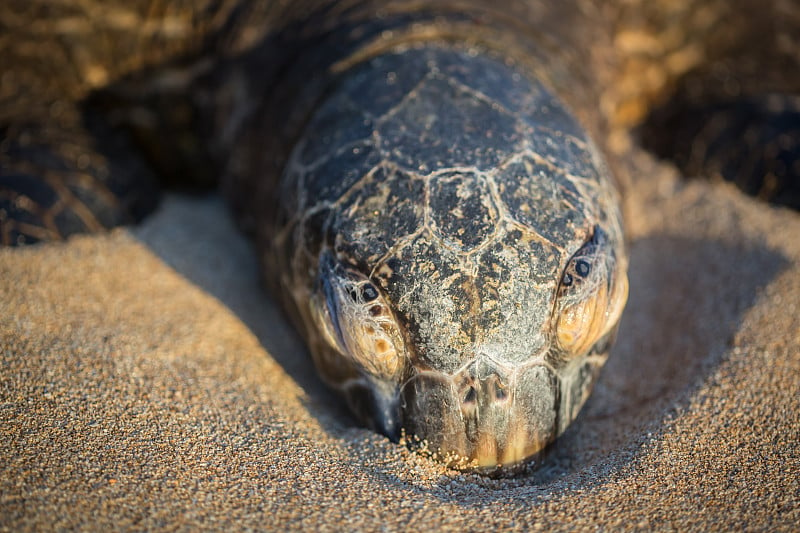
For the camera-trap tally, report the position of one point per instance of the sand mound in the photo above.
(148, 383)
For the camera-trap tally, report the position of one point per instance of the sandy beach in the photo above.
(149, 383)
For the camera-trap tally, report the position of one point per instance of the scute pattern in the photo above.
(420, 272)
(413, 133)
(333, 176)
(541, 196)
(330, 136)
(514, 95)
(393, 200)
(461, 211)
(507, 299)
(565, 152)
(383, 84)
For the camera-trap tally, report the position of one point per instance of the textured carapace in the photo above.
(455, 252)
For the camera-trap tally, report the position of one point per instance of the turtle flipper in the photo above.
(58, 179)
(88, 92)
(753, 142)
(713, 89)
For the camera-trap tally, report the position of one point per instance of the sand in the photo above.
(147, 382)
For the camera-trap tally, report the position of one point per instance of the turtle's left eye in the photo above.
(591, 297)
(357, 321)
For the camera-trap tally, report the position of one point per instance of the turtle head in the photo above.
(452, 246)
(494, 402)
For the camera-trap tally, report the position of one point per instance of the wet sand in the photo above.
(147, 382)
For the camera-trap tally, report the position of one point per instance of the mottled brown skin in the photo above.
(100, 100)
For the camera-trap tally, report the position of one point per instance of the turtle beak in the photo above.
(377, 405)
(480, 418)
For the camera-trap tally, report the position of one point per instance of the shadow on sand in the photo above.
(224, 264)
(687, 299)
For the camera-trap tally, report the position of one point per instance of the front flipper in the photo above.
(69, 173)
(752, 141)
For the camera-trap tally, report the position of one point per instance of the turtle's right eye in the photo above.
(357, 321)
(368, 291)
(591, 297)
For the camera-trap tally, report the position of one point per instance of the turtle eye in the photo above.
(592, 294)
(362, 292)
(368, 292)
(357, 321)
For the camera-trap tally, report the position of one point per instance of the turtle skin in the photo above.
(432, 189)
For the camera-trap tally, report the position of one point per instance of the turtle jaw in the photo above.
(483, 418)
(377, 404)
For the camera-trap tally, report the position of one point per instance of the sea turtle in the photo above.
(430, 186)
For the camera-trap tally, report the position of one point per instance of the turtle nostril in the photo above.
(499, 391)
(470, 396)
